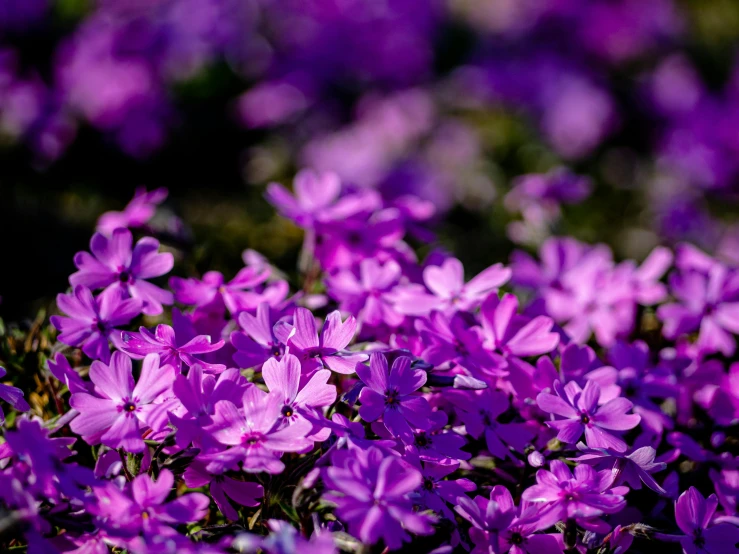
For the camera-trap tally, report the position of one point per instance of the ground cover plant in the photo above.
(413, 276)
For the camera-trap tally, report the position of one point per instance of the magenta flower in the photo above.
(583, 497)
(448, 291)
(315, 195)
(371, 491)
(693, 514)
(136, 214)
(582, 413)
(390, 394)
(515, 335)
(256, 433)
(302, 398)
(257, 342)
(632, 469)
(163, 341)
(114, 263)
(118, 412)
(92, 321)
(328, 350)
(497, 525)
(63, 372)
(13, 396)
(366, 294)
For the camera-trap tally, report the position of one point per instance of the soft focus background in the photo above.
(452, 100)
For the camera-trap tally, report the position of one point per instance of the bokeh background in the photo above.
(452, 100)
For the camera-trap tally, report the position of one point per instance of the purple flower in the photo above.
(583, 497)
(448, 291)
(582, 413)
(13, 396)
(497, 525)
(708, 301)
(479, 411)
(437, 445)
(256, 433)
(390, 394)
(257, 343)
(119, 410)
(315, 195)
(223, 487)
(632, 469)
(436, 491)
(371, 491)
(514, 335)
(366, 294)
(197, 395)
(302, 397)
(213, 294)
(64, 373)
(115, 264)
(137, 213)
(142, 508)
(328, 350)
(91, 321)
(163, 341)
(693, 514)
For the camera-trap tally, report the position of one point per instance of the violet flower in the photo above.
(447, 289)
(257, 342)
(497, 525)
(583, 497)
(13, 396)
(328, 350)
(136, 214)
(119, 410)
(631, 469)
(222, 488)
(164, 341)
(693, 514)
(256, 434)
(582, 413)
(115, 263)
(371, 491)
(390, 394)
(90, 321)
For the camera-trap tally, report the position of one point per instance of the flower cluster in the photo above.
(387, 397)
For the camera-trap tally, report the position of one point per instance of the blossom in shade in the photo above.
(584, 496)
(582, 413)
(257, 342)
(446, 290)
(436, 491)
(118, 410)
(497, 525)
(326, 350)
(90, 321)
(136, 214)
(371, 491)
(391, 394)
(693, 515)
(13, 396)
(479, 411)
(164, 341)
(255, 432)
(60, 368)
(222, 488)
(116, 263)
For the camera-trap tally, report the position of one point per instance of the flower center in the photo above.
(422, 440)
(391, 398)
(287, 411)
(428, 484)
(585, 419)
(516, 538)
(124, 277)
(129, 407)
(252, 438)
(101, 326)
